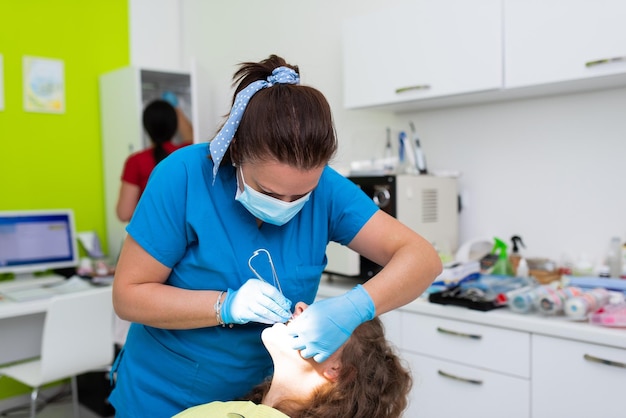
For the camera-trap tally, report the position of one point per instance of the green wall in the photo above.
(54, 160)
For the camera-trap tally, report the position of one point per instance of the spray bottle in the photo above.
(516, 255)
(502, 266)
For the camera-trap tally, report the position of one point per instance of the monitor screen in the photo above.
(36, 241)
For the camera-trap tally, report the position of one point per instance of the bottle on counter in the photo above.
(522, 269)
(614, 258)
(404, 161)
(579, 307)
(388, 154)
(623, 259)
(502, 266)
(554, 301)
(516, 255)
(525, 300)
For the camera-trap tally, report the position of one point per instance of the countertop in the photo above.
(555, 326)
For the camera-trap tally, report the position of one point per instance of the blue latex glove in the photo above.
(255, 301)
(325, 325)
(170, 97)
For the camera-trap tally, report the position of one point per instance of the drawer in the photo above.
(585, 380)
(472, 344)
(445, 389)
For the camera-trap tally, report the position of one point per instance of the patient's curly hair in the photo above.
(372, 383)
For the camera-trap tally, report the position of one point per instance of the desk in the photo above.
(21, 326)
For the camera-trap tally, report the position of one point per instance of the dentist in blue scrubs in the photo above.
(229, 235)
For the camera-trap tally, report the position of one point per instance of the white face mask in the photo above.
(266, 208)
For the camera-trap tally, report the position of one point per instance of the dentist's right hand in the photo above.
(255, 301)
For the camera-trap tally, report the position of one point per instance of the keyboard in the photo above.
(34, 292)
(30, 282)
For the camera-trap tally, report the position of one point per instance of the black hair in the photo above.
(160, 122)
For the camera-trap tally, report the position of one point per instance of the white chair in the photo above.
(77, 338)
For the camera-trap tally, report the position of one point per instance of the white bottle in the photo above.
(614, 258)
(522, 268)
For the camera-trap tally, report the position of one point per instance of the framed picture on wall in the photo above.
(1, 83)
(44, 85)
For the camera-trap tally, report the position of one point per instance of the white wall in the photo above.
(220, 35)
(155, 34)
(549, 169)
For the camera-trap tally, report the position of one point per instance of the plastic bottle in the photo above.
(388, 156)
(623, 258)
(580, 306)
(522, 269)
(420, 160)
(403, 153)
(614, 258)
(516, 255)
(409, 153)
(554, 301)
(526, 301)
(502, 266)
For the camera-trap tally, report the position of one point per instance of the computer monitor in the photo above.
(36, 241)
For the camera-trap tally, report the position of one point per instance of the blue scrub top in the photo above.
(206, 237)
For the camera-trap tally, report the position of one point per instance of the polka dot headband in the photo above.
(219, 144)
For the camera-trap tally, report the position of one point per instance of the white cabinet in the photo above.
(496, 349)
(551, 41)
(444, 389)
(123, 96)
(575, 379)
(427, 54)
(483, 371)
(468, 363)
(422, 49)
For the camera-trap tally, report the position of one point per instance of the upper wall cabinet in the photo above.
(553, 41)
(427, 54)
(422, 50)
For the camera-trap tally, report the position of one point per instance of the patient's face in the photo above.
(278, 342)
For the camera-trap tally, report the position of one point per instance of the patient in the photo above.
(363, 379)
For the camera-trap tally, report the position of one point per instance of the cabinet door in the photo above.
(120, 117)
(446, 389)
(124, 93)
(422, 50)
(477, 345)
(574, 379)
(548, 41)
(393, 327)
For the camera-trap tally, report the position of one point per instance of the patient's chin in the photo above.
(274, 333)
(276, 339)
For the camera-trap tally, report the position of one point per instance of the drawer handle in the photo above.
(410, 88)
(595, 359)
(459, 334)
(605, 61)
(460, 379)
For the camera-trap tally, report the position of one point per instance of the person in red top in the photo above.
(161, 120)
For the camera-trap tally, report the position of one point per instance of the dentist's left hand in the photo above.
(255, 301)
(322, 328)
